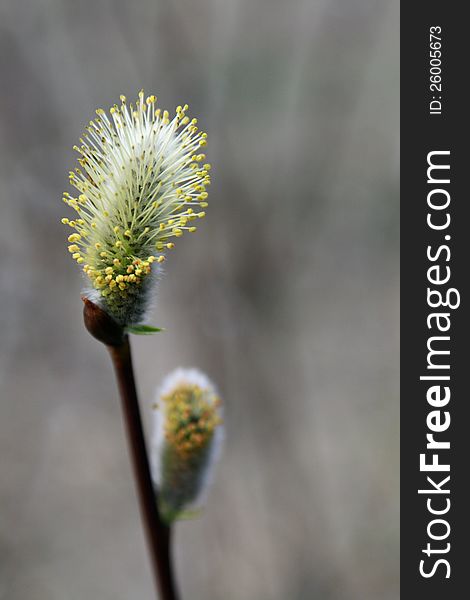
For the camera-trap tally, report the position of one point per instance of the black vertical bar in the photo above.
(423, 130)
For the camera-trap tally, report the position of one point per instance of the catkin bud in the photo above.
(187, 438)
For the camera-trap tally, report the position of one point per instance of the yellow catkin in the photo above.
(126, 213)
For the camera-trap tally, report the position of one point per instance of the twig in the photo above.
(157, 532)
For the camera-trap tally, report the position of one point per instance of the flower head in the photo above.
(187, 439)
(141, 183)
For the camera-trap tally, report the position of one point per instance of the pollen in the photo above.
(190, 419)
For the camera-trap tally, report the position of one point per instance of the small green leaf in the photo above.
(143, 329)
(189, 515)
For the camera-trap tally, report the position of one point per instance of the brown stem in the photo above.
(157, 532)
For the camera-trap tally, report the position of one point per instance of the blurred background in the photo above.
(287, 296)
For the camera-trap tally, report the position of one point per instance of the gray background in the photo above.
(287, 296)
